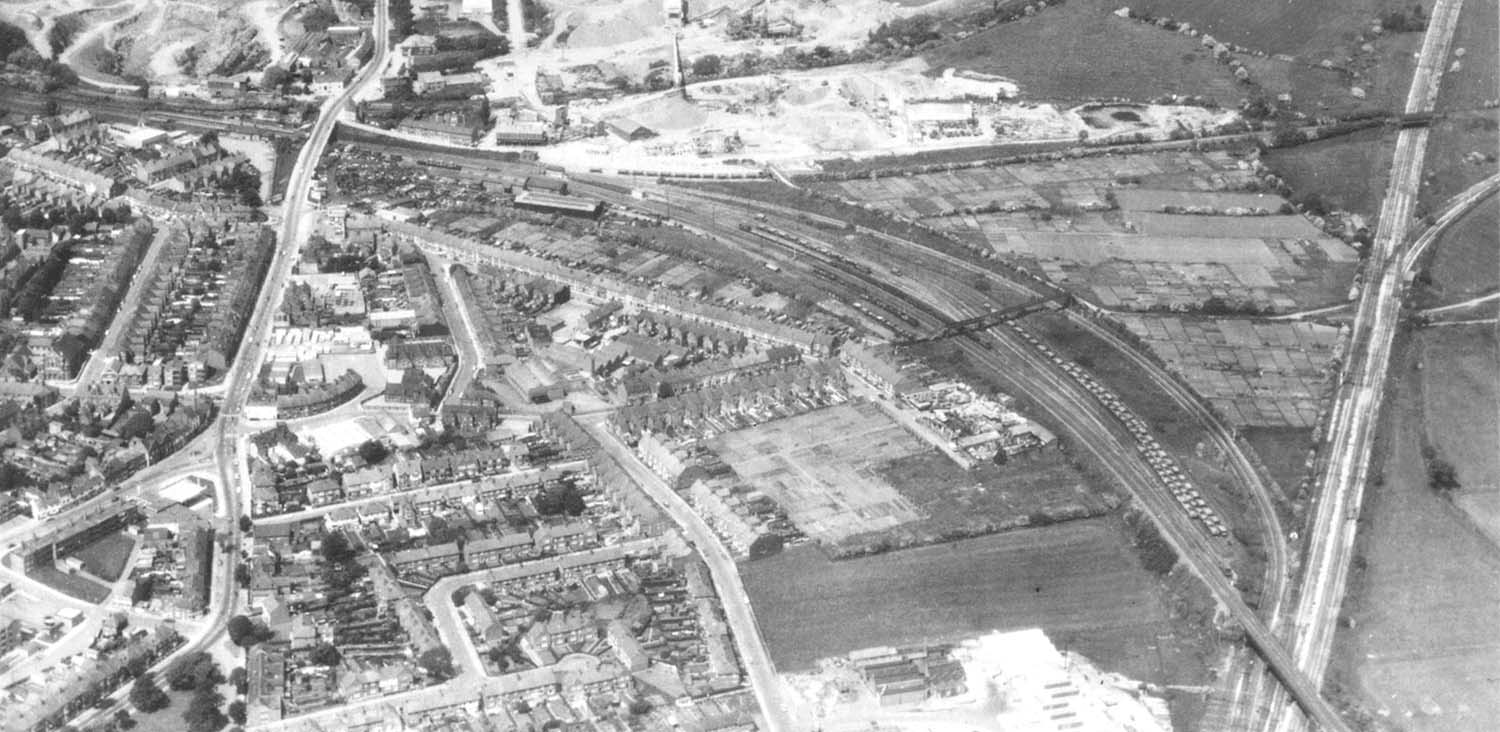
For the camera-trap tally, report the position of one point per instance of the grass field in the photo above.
(1283, 451)
(1080, 51)
(1461, 410)
(71, 584)
(1466, 260)
(1417, 642)
(1078, 581)
(106, 557)
(1476, 82)
(1348, 172)
(1275, 26)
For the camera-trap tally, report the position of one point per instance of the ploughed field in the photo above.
(1079, 581)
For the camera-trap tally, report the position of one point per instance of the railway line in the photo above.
(1362, 379)
(1093, 428)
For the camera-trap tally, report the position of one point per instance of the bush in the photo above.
(707, 67)
(1157, 556)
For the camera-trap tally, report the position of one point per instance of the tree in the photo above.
(438, 663)
(242, 631)
(242, 575)
(246, 524)
(275, 78)
(257, 633)
(640, 707)
(325, 655)
(146, 696)
(373, 452)
(336, 548)
(240, 679)
(123, 720)
(237, 711)
(196, 671)
(202, 713)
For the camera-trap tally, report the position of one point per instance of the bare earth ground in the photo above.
(1426, 582)
(1079, 581)
(821, 466)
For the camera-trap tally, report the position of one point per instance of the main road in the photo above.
(242, 375)
(1362, 386)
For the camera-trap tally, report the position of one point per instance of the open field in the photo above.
(1173, 427)
(1283, 451)
(1078, 581)
(1056, 217)
(1475, 83)
(1076, 183)
(1418, 640)
(73, 585)
(1310, 31)
(1466, 259)
(1348, 172)
(106, 557)
(1080, 51)
(1461, 409)
(1264, 374)
(821, 467)
(1034, 488)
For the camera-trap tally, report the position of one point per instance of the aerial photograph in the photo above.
(750, 365)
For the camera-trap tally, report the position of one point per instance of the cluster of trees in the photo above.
(340, 570)
(402, 19)
(244, 183)
(318, 19)
(16, 50)
(197, 673)
(245, 632)
(906, 34)
(438, 663)
(147, 696)
(64, 31)
(564, 498)
(1412, 21)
